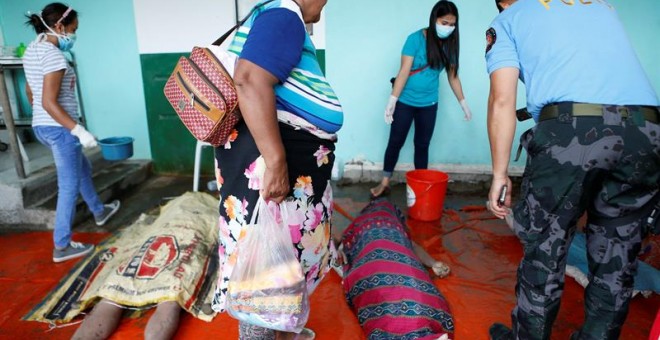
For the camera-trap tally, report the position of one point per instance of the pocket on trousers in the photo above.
(525, 227)
(529, 140)
(49, 135)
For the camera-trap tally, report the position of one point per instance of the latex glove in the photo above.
(389, 109)
(86, 139)
(466, 110)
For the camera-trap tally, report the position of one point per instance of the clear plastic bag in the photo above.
(267, 287)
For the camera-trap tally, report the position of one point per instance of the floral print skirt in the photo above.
(239, 170)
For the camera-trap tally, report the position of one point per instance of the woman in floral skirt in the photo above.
(283, 148)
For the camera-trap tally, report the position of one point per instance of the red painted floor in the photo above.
(481, 251)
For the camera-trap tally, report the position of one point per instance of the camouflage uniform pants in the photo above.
(608, 167)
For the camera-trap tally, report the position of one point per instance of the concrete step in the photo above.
(40, 196)
(41, 182)
(42, 185)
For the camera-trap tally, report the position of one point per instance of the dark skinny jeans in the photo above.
(404, 115)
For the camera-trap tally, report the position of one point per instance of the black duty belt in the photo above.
(552, 111)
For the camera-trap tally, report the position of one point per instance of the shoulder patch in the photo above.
(491, 37)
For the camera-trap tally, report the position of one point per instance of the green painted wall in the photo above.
(108, 64)
(172, 144)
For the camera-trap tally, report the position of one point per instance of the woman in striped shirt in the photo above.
(51, 92)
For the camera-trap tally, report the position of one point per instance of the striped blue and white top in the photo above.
(41, 58)
(304, 97)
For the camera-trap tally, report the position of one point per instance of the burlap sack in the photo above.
(172, 259)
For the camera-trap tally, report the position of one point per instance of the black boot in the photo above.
(498, 331)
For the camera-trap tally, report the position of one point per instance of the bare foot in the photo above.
(440, 269)
(380, 190)
(164, 322)
(101, 322)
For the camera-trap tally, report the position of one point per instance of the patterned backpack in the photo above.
(202, 92)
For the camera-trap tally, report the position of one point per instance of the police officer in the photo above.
(595, 148)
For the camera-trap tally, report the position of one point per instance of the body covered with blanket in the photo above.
(386, 284)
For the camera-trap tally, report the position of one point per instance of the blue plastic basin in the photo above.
(116, 148)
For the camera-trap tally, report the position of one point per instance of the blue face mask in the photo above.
(444, 31)
(65, 42)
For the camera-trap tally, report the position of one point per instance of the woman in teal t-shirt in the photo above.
(415, 92)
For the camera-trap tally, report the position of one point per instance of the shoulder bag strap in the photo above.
(413, 72)
(220, 40)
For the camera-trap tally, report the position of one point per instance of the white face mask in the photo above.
(444, 31)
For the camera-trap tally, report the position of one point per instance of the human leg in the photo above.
(545, 217)
(383, 188)
(614, 230)
(67, 154)
(612, 254)
(622, 170)
(403, 118)
(87, 189)
(164, 322)
(546, 237)
(100, 323)
(102, 212)
(424, 125)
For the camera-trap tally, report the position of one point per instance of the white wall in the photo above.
(192, 23)
(189, 23)
(318, 36)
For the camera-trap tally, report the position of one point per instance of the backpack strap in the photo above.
(222, 39)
